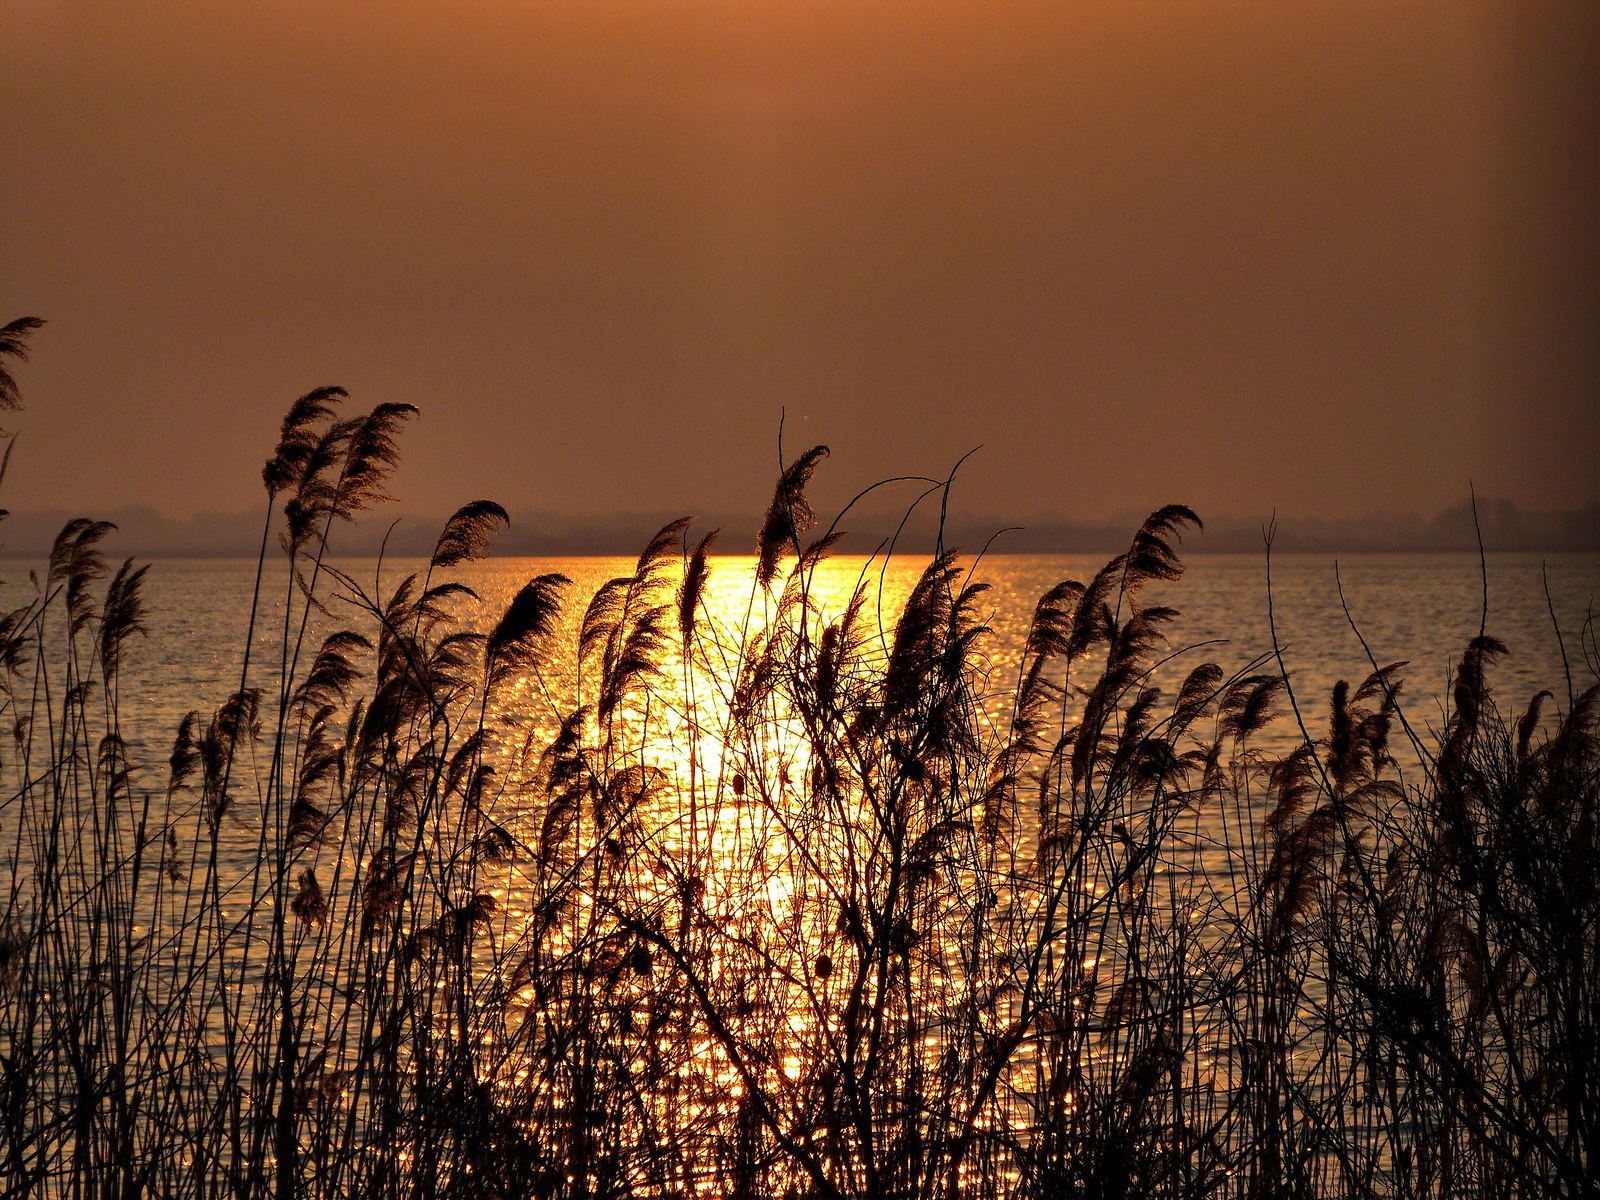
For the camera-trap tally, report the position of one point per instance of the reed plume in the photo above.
(867, 904)
(531, 617)
(121, 615)
(297, 443)
(468, 534)
(692, 590)
(788, 516)
(14, 337)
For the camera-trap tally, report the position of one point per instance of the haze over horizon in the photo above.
(1328, 259)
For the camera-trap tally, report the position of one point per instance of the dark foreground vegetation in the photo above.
(773, 911)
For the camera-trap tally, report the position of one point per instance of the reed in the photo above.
(367, 938)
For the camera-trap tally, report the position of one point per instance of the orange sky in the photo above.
(1327, 257)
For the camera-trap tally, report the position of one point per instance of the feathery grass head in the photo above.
(238, 717)
(468, 534)
(13, 945)
(14, 344)
(1152, 555)
(1196, 695)
(339, 472)
(332, 672)
(296, 441)
(1529, 723)
(529, 619)
(695, 576)
(1471, 684)
(185, 755)
(788, 516)
(76, 562)
(1246, 706)
(14, 638)
(1050, 634)
(310, 903)
(373, 455)
(316, 487)
(455, 927)
(121, 616)
(659, 553)
(308, 822)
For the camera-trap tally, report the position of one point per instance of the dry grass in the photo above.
(1112, 950)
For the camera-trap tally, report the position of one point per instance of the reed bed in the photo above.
(773, 910)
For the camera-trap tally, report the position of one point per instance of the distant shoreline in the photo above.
(146, 533)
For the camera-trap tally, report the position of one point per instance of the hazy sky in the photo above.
(1326, 256)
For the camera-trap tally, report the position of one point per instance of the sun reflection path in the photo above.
(727, 815)
(679, 725)
(722, 816)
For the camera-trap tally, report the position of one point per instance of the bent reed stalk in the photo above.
(852, 940)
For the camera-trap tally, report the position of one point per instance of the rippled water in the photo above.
(1420, 608)
(1417, 608)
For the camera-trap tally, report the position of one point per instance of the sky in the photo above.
(1324, 257)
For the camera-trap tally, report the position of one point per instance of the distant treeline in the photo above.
(150, 534)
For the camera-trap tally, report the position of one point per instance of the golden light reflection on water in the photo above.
(679, 725)
(728, 816)
(733, 811)
(739, 903)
